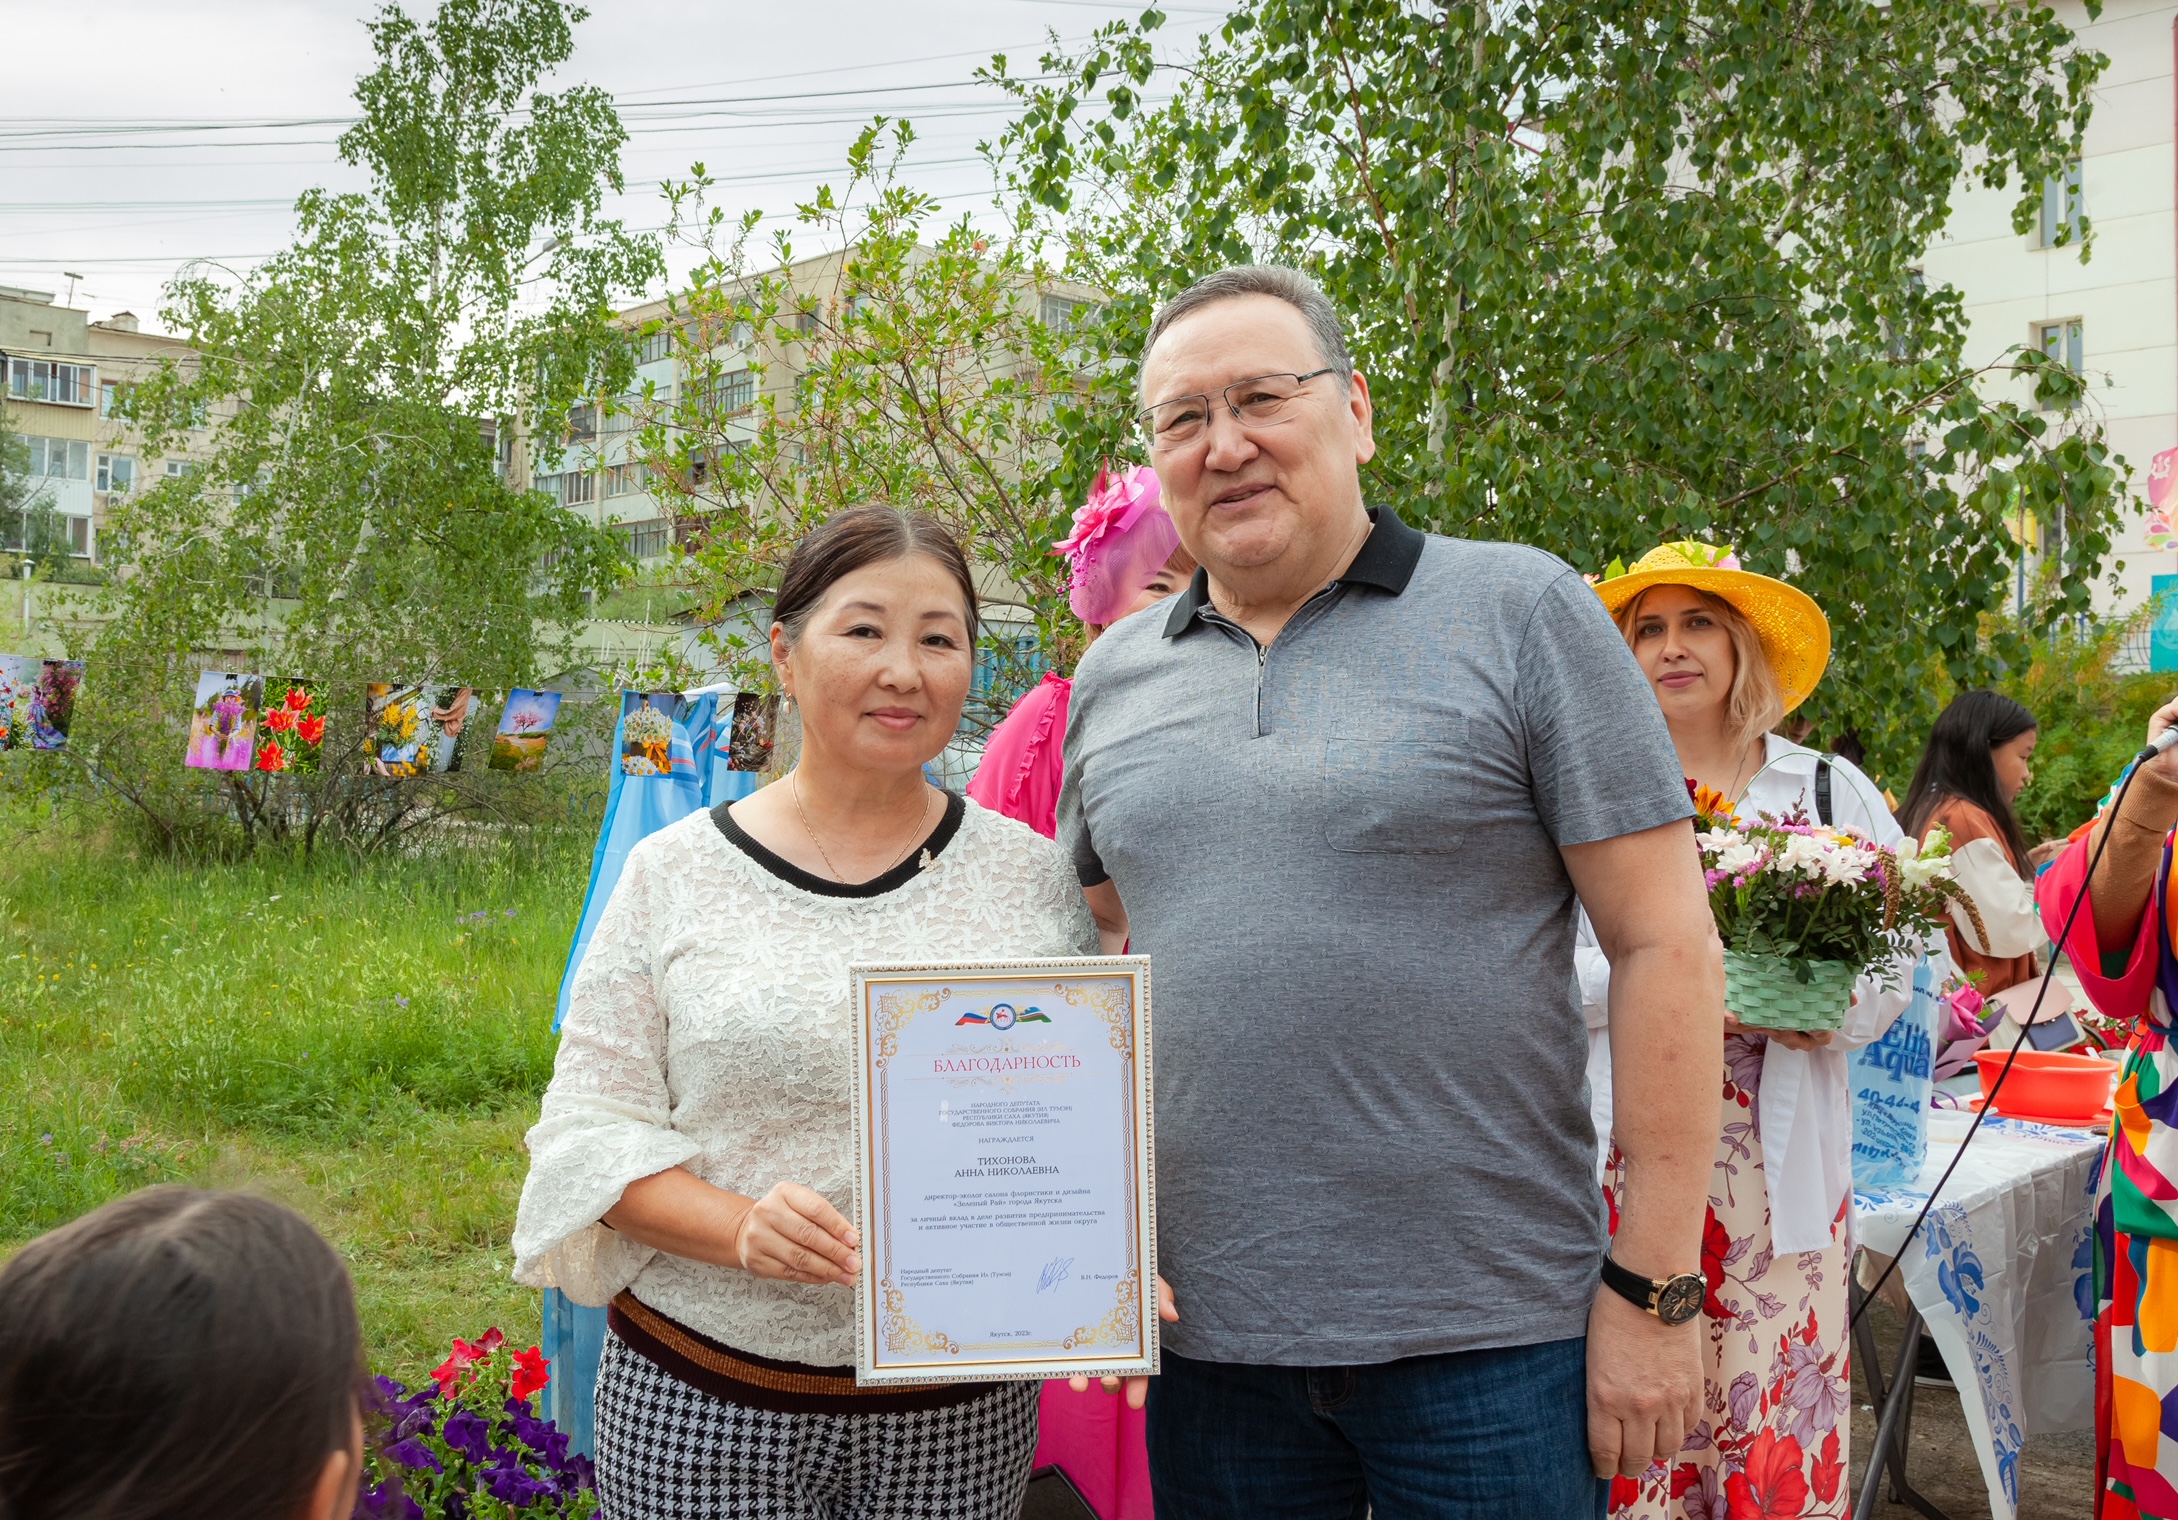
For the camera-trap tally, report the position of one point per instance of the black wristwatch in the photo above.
(1674, 1300)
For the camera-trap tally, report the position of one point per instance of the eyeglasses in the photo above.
(1264, 401)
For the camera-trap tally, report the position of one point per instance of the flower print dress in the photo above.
(1772, 1435)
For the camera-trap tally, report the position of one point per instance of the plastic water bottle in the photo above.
(1890, 1092)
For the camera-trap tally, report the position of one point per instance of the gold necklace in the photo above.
(794, 790)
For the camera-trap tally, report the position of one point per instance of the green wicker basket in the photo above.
(1768, 991)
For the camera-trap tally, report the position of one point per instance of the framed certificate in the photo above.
(1003, 1170)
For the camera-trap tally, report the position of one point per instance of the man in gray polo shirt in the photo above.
(1343, 791)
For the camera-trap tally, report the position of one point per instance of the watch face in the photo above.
(1680, 1299)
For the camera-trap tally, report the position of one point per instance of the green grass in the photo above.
(363, 1039)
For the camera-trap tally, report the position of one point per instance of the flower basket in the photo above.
(1776, 992)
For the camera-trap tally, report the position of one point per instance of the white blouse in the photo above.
(708, 1028)
(1805, 1108)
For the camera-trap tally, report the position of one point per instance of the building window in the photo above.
(110, 392)
(805, 320)
(177, 468)
(625, 479)
(654, 346)
(735, 393)
(644, 540)
(574, 489)
(581, 423)
(60, 384)
(1063, 314)
(2064, 343)
(2063, 206)
(60, 458)
(116, 473)
(79, 537)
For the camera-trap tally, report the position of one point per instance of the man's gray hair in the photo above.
(1291, 286)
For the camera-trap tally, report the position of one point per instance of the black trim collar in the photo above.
(1386, 561)
(877, 886)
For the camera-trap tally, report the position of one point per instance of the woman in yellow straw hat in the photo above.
(1729, 653)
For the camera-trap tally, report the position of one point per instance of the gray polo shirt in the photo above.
(1341, 855)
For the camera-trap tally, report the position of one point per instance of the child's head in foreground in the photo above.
(179, 1353)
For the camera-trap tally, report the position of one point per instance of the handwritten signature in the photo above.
(1056, 1271)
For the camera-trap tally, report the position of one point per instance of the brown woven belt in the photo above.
(702, 1353)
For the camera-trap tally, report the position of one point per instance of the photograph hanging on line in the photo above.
(291, 734)
(756, 724)
(18, 688)
(417, 730)
(649, 725)
(53, 704)
(525, 728)
(455, 711)
(396, 721)
(223, 723)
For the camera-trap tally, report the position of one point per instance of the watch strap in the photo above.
(1640, 1291)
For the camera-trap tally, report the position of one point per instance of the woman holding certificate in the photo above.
(693, 1165)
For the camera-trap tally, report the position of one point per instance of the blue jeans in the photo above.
(1471, 1435)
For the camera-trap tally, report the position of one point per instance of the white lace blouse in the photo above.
(708, 1028)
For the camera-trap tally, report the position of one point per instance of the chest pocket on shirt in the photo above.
(1398, 796)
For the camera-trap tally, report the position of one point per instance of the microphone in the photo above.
(2166, 740)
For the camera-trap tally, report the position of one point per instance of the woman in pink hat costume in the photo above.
(1123, 555)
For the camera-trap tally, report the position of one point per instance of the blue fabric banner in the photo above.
(640, 800)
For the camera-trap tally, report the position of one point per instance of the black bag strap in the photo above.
(1822, 791)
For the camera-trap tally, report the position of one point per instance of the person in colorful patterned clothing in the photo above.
(2124, 957)
(1729, 653)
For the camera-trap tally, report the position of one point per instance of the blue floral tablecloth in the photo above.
(2000, 1272)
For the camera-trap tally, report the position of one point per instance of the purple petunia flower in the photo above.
(540, 1436)
(412, 1454)
(467, 1433)
(406, 1414)
(512, 1484)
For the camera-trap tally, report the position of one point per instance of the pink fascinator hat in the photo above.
(1122, 537)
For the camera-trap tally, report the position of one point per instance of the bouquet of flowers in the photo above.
(1804, 910)
(468, 1446)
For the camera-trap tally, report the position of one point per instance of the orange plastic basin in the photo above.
(2050, 1084)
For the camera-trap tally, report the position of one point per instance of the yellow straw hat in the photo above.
(1794, 632)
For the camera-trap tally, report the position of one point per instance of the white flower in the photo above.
(1920, 864)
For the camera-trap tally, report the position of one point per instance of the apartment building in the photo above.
(59, 374)
(599, 475)
(2113, 314)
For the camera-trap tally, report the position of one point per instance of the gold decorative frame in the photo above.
(1124, 1341)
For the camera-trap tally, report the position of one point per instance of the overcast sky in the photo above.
(135, 136)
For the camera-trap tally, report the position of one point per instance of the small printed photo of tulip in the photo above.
(291, 731)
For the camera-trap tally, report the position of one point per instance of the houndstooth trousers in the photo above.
(666, 1451)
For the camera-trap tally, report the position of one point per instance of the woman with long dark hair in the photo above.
(1975, 766)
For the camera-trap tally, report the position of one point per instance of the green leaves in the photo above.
(916, 369)
(1624, 273)
(354, 517)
